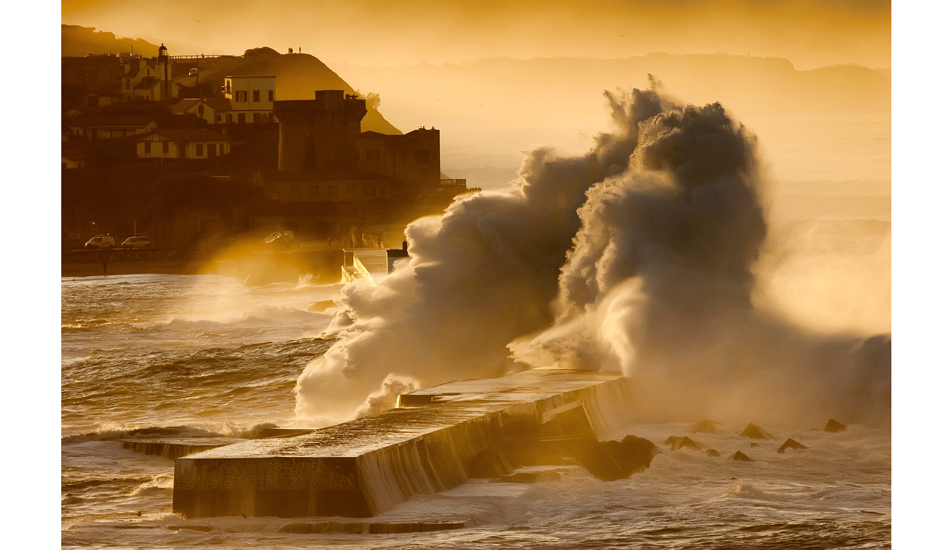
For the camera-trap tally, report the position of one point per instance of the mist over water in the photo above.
(639, 256)
(168, 350)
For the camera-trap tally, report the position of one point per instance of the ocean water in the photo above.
(201, 355)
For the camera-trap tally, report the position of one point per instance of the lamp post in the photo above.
(201, 103)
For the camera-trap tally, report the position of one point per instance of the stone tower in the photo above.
(320, 133)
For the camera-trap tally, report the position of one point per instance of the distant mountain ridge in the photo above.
(298, 75)
(760, 84)
(830, 123)
(78, 41)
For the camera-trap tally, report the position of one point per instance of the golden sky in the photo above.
(810, 33)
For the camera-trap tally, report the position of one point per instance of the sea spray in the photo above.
(660, 285)
(639, 256)
(479, 276)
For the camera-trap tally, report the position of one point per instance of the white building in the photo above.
(214, 110)
(252, 98)
(148, 79)
(182, 143)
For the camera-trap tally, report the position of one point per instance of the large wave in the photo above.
(638, 256)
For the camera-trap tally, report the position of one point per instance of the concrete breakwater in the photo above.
(176, 447)
(429, 443)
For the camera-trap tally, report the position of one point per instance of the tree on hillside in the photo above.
(263, 51)
(372, 99)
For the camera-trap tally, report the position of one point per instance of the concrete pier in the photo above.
(176, 447)
(366, 466)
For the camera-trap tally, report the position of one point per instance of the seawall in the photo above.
(259, 268)
(366, 466)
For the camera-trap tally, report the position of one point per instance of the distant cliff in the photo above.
(298, 75)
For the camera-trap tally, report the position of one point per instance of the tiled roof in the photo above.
(186, 134)
(111, 121)
(217, 104)
(184, 105)
(146, 83)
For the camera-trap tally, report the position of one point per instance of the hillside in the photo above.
(79, 41)
(298, 75)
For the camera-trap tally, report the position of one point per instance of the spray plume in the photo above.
(638, 256)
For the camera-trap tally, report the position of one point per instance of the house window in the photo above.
(165, 147)
(220, 118)
(148, 147)
(199, 149)
(241, 118)
(270, 95)
(242, 96)
(257, 96)
(257, 117)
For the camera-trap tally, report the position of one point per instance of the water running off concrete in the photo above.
(366, 466)
(365, 263)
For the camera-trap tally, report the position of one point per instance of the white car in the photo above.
(101, 241)
(136, 241)
(281, 239)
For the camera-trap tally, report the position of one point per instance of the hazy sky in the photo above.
(810, 33)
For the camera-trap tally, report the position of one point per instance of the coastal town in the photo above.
(199, 152)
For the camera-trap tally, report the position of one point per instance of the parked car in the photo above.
(281, 240)
(136, 241)
(101, 241)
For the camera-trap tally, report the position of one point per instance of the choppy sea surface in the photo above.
(182, 355)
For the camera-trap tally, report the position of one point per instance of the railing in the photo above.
(452, 181)
(198, 56)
